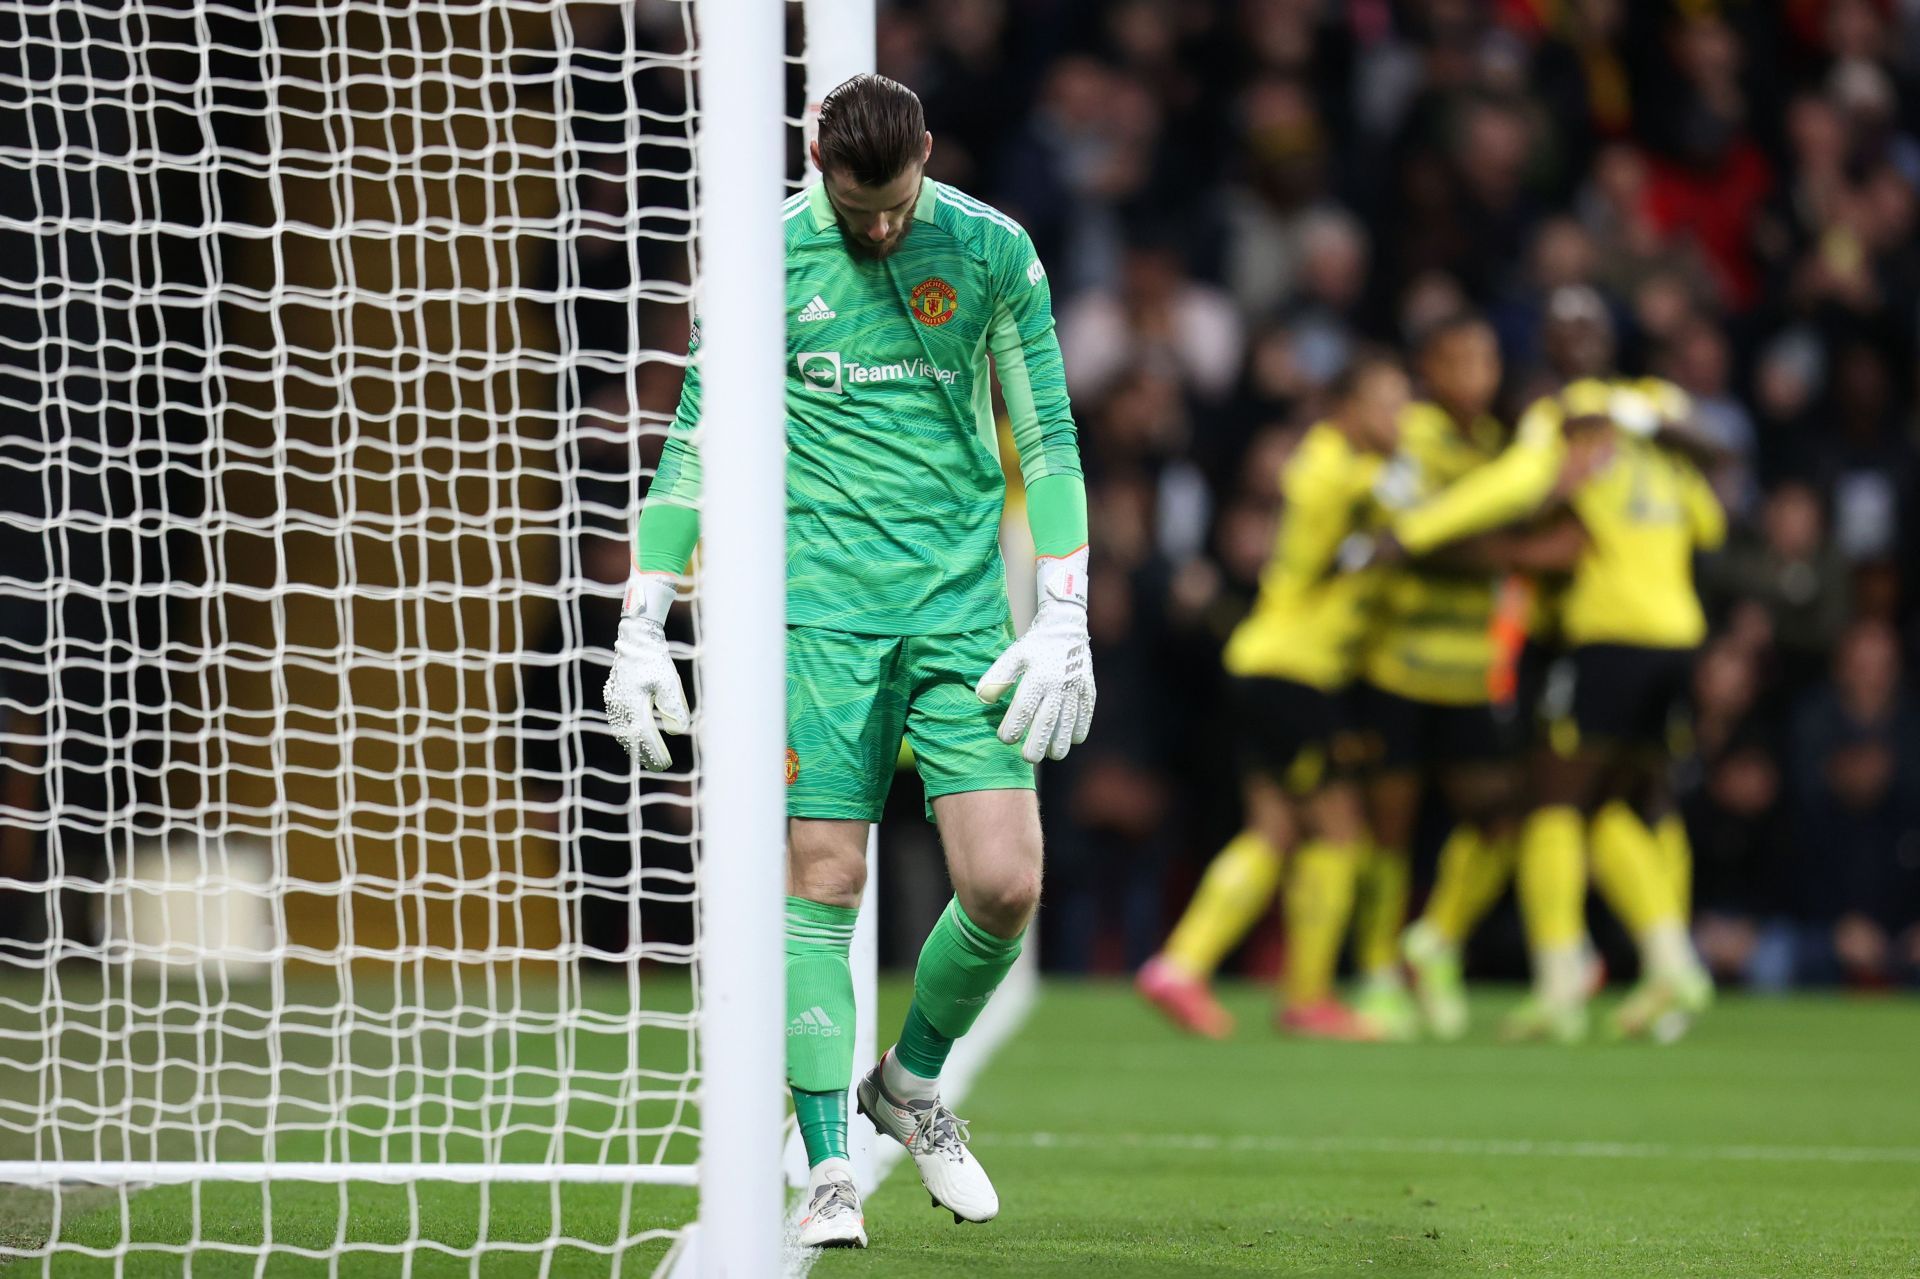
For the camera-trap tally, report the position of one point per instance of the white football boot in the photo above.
(937, 1140)
(833, 1218)
(1438, 986)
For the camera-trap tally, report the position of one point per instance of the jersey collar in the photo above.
(823, 207)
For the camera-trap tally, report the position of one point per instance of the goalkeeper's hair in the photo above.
(871, 130)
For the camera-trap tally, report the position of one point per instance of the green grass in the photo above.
(434, 1072)
(1782, 1139)
(234, 1223)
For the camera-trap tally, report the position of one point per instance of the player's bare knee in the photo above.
(1336, 815)
(1391, 808)
(833, 881)
(1003, 901)
(1270, 814)
(827, 861)
(834, 885)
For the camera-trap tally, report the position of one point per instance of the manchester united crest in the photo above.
(934, 301)
(793, 766)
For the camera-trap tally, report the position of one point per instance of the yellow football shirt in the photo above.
(1511, 487)
(1310, 617)
(1645, 512)
(1433, 640)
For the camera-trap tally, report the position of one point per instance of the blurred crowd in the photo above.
(1232, 195)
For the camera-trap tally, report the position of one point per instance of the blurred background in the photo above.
(1230, 195)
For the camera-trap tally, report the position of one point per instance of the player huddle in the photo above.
(1508, 616)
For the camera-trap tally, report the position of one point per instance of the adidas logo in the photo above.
(815, 311)
(814, 1021)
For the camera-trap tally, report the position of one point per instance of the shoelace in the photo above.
(942, 1130)
(835, 1194)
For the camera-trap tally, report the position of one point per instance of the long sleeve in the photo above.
(669, 522)
(1510, 487)
(1705, 515)
(1318, 516)
(1026, 356)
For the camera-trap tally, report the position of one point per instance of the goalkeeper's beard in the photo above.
(861, 247)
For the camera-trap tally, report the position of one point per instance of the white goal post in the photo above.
(744, 693)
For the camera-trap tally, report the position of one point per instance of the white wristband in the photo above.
(649, 595)
(1062, 577)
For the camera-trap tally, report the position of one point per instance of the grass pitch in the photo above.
(533, 1067)
(1781, 1139)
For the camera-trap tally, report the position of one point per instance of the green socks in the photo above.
(820, 1023)
(922, 1048)
(960, 967)
(823, 1123)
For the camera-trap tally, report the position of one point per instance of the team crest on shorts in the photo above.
(934, 301)
(793, 766)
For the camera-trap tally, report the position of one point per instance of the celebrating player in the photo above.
(1631, 621)
(1508, 493)
(1292, 660)
(899, 288)
(1630, 547)
(1425, 695)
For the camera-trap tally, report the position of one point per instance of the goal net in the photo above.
(336, 340)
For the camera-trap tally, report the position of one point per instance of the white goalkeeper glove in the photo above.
(1053, 707)
(643, 694)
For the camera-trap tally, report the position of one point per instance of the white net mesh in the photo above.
(334, 339)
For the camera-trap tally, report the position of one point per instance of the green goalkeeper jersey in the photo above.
(894, 483)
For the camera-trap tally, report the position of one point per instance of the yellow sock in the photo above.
(1552, 878)
(1474, 871)
(1633, 873)
(1628, 870)
(1380, 910)
(1319, 900)
(1676, 855)
(1234, 893)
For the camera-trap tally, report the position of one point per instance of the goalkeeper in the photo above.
(899, 289)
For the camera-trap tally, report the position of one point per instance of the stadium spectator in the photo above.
(1267, 208)
(1324, 315)
(1855, 769)
(1734, 808)
(1698, 359)
(1111, 833)
(1084, 161)
(1630, 246)
(1158, 317)
(1710, 177)
(1787, 566)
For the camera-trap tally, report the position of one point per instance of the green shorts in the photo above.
(850, 698)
